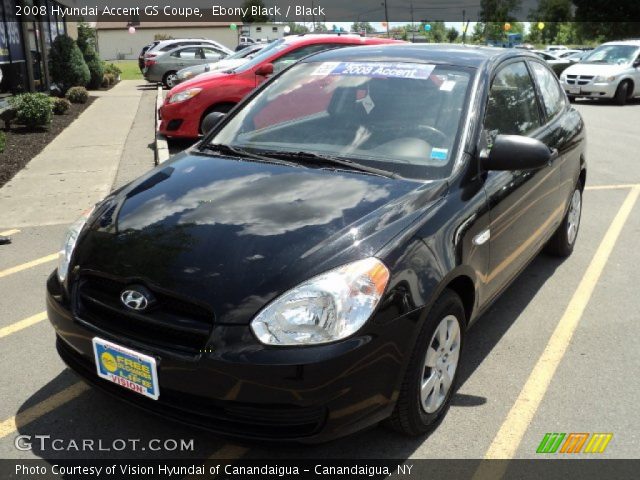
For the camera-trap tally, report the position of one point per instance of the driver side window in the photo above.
(512, 108)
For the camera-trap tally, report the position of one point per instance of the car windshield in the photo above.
(265, 53)
(612, 54)
(404, 118)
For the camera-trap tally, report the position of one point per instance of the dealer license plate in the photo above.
(127, 368)
(574, 90)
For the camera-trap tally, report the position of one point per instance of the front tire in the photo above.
(564, 239)
(432, 373)
(622, 93)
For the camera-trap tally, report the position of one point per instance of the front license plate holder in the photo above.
(132, 370)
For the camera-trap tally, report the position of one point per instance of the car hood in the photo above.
(235, 234)
(595, 69)
(203, 80)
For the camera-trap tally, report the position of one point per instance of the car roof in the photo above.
(461, 55)
(336, 38)
(635, 43)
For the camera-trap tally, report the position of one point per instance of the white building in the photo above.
(115, 42)
(263, 31)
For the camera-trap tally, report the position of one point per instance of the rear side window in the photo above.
(188, 53)
(512, 107)
(553, 98)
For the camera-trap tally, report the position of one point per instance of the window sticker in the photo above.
(448, 85)
(439, 153)
(376, 69)
(367, 103)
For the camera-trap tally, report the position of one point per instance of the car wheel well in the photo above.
(583, 178)
(218, 107)
(463, 286)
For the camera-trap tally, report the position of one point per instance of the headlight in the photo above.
(326, 308)
(185, 95)
(604, 79)
(185, 75)
(64, 256)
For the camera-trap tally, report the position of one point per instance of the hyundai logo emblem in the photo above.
(134, 299)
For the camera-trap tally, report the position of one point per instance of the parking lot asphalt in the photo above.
(556, 353)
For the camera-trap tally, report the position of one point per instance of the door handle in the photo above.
(554, 155)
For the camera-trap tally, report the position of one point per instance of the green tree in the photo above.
(552, 13)
(499, 11)
(452, 34)
(250, 18)
(611, 23)
(297, 28)
(320, 28)
(366, 27)
(66, 64)
(437, 33)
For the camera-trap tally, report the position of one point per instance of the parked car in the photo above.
(144, 50)
(556, 63)
(186, 105)
(164, 67)
(610, 71)
(232, 61)
(312, 266)
(168, 45)
(555, 48)
(578, 55)
(566, 53)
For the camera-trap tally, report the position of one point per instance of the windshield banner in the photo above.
(376, 69)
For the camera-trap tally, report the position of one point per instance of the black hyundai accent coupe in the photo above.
(312, 265)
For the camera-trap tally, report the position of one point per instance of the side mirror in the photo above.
(636, 63)
(211, 120)
(265, 70)
(514, 152)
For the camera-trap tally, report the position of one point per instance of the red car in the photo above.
(187, 104)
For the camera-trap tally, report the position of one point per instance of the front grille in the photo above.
(172, 323)
(579, 79)
(232, 418)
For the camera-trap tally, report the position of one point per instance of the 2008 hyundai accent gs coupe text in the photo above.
(312, 265)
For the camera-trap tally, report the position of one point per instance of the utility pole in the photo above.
(464, 29)
(386, 16)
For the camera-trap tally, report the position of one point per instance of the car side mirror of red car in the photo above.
(515, 152)
(265, 70)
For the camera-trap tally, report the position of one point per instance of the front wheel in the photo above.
(622, 93)
(432, 372)
(564, 239)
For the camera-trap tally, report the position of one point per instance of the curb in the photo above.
(161, 146)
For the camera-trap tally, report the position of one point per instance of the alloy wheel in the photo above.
(441, 362)
(573, 219)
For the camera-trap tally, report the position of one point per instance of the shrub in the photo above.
(112, 69)
(32, 109)
(77, 95)
(60, 105)
(108, 80)
(3, 141)
(96, 68)
(66, 64)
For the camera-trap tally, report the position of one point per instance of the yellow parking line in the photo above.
(612, 187)
(11, 425)
(22, 324)
(507, 440)
(6, 233)
(25, 266)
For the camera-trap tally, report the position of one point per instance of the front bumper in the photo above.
(244, 389)
(181, 120)
(590, 89)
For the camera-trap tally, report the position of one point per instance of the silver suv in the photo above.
(610, 71)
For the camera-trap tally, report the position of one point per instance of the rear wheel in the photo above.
(564, 239)
(432, 372)
(622, 93)
(170, 80)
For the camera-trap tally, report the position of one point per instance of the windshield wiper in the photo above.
(330, 159)
(240, 153)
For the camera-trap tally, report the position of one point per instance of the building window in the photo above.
(258, 29)
(274, 29)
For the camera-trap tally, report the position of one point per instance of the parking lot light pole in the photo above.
(386, 16)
